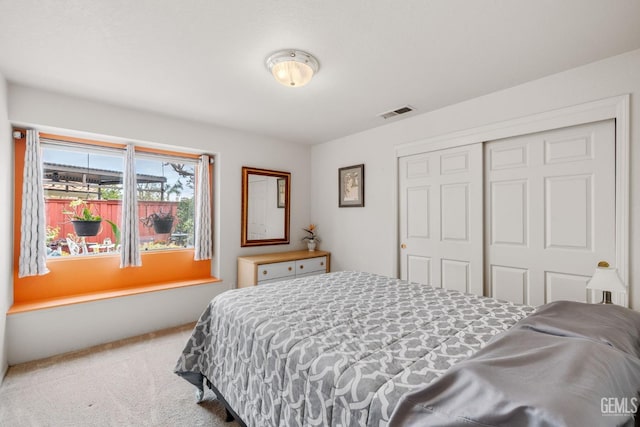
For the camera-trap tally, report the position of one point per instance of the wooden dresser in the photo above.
(266, 268)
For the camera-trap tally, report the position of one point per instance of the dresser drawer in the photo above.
(278, 266)
(278, 270)
(311, 265)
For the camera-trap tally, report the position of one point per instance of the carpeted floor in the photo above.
(126, 383)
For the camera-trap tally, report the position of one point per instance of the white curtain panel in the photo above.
(203, 212)
(33, 250)
(129, 236)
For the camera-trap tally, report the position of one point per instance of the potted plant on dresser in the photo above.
(312, 238)
(85, 221)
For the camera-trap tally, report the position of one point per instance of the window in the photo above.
(81, 183)
(166, 190)
(83, 191)
(89, 174)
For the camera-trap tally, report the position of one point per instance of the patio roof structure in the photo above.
(62, 179)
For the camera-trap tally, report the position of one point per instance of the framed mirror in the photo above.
(265, 207)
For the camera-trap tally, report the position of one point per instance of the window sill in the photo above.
(115, 255)
(24, 307)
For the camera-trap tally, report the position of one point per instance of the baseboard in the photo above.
(3, 372)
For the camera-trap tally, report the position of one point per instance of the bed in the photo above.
(359, 349)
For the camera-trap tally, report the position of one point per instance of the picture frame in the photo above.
(351, 186)
(281, 192)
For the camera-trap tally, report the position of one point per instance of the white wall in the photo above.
(233, 149)
(6, 225)
(364, 238)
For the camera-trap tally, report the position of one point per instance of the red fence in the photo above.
(107, 209)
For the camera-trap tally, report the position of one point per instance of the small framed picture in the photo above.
(351, 186)
(281, 191)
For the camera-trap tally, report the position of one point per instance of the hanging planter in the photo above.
(161, 222)
(86, 228)
(85, 222)
(163, 225)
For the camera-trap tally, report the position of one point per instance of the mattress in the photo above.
(339, 349)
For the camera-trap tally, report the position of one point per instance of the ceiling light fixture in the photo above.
(291, 67)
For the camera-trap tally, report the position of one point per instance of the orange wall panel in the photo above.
(86, 274)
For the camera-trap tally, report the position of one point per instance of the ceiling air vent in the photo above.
(399, 111)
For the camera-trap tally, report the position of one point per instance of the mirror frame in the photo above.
(246, 171)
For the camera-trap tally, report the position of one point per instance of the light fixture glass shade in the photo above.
(293, 68)
(606, 279)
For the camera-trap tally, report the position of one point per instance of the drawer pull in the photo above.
(301, 267)
(264, 272)
(322, 263)
(290, 268)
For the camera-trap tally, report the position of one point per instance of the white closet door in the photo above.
(441, 218)
(550, 212)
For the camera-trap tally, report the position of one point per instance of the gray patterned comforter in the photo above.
(338, 349)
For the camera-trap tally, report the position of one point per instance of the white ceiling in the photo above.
(204, 59)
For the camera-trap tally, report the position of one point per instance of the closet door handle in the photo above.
(403, 246)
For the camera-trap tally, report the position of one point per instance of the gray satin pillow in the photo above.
(611, 324)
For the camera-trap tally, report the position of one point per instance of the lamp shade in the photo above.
(293, 68)
(606, 278)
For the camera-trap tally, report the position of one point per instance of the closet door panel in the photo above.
(418, 212)
(550, 212)
(419, 269)
(454, 205)
(417, 218)
(510, 283)
(572, 287)
(441, 215)
(508, 210)
(569, 212)
(455, 275)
